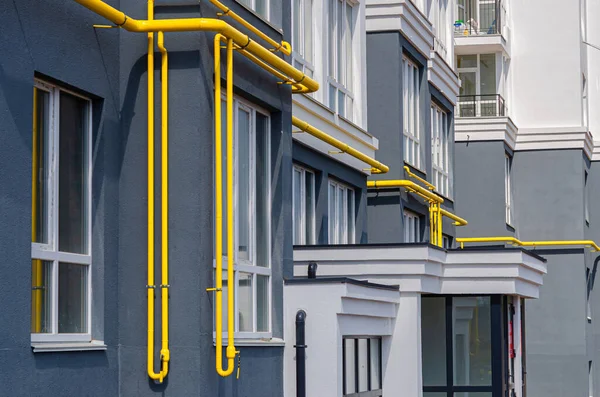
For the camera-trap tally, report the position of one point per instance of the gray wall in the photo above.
(55, 38)
(479, 192)
(385, 206)
(548, 192)
(548, 204)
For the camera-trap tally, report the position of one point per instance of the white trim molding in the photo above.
(555, 138)
(68, 347)
(596, 151)
(443, 77)
(482, 44)
(404, 16)
(321, 117)
(475, 129)
(426, 269)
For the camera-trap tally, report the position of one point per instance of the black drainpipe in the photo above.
(300, 354)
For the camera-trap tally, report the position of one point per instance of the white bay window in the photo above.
(411, 115)
(303, 206)
(61, 216)
(440, 137)
(341, 213)
(340, 50)
(252, 231)
(302, 36)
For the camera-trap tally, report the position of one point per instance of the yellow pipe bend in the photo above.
(378, 168)
(408, 185)
(201, 24)
(417, 177)
(514, 241)
(458, 221)
(284, 46)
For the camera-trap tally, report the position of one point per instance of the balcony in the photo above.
(481, 106)
(479, 17)
(481, 27)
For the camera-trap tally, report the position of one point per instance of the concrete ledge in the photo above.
(68, 347)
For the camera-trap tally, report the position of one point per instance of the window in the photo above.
(260, 6)
(61, 216)
(252, 203)
(341, 213)
(303, 206)
(341, 32)
(412, 124)
(439, 20)
(412, 227)
(508, 188)
(586, 198)
(362, 367)
(458, 340)
(478, 95)
(591, 378)
(440, 137)
(302, 36)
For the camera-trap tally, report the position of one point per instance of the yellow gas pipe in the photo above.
(516, 242)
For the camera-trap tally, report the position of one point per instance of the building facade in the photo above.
(171, 171)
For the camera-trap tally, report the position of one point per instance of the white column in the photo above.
(402, 362)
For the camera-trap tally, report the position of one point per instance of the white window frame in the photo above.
(361, 351)
(349, 225)
(412, 227)
(438, 16)
(411, 112)
(307, 222)
(242, 265)
(252, 5)
(479, 101)
(340, 78)
(440, 152)
(508, 188)
(299, 57)
(49, 251)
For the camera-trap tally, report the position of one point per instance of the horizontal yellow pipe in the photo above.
(458, 221)
(284, 46)
(202, 24)
(514, 241)
(418, 178)
(378, 168)
(410, 185)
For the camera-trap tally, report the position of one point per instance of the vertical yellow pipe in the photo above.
(164, 352)
(37, 265)
(439, 226)
(231, 352)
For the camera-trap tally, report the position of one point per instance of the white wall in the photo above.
(593, 66)
(546, 64)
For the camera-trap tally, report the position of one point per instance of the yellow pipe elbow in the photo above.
(378, 167)
(417, 177)
(458, 221)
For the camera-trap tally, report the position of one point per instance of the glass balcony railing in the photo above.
(479, 17)
(481, 106)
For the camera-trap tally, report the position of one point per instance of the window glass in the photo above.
(263, 199)
(433, 336)
(350, 366)
(41, 308)
(243, 183)
(412, 227)
(342, 218)
(488, 74)
(72, 190)
(375, 362)
(262, 301)
(310, 208)
(467, 61)
(308, 31)
(361, 366)
(411, 120)
(245, 303)
(472, 341)
(72, 298)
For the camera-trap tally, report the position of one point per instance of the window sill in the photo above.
(50, 347)
(274, 342)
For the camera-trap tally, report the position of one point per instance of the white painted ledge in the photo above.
(68, 347)
(467, 129)
(273, 342)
